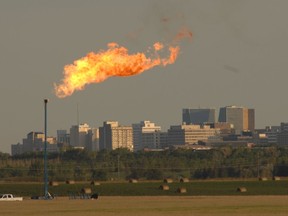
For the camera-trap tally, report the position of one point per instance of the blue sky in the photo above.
(237, 56)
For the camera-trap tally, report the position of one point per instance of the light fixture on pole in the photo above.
(46, 193)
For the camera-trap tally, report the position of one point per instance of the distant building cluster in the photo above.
(199, 130)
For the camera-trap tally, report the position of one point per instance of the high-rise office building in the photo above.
(63, 137)
(198, 116)
(251, 119)
(241, 118)
(92, 143)
(113, 136)
(282, 136)
(284, 126)
(272, 134)
(146, 135)
(78, 135)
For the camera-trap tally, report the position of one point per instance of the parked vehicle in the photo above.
(9, 197)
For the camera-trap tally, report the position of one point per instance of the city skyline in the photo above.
(148, 135)
(84, 126)
(142, 121)
(237, 55)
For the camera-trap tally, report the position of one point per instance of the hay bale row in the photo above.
(53, 183)
(181, 190)
(263, 179)
(164, 187)
(184, 180)
(70, 182)
(86, 190)
(94, 183)
(241, 189)
(133, 181)
(168, 180)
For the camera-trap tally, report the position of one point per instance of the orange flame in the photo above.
(115, 61)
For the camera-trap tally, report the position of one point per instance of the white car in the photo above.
(9, 197)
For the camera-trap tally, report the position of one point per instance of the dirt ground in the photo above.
(151, 206)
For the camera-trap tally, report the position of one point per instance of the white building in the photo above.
(113, 136)
(146, 135)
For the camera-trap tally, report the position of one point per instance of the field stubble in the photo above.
(150, 205)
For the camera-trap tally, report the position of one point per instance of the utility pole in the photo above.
(46, 193)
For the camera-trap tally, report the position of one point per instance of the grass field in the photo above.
(194, 188)
(145, 198)
(151, 205)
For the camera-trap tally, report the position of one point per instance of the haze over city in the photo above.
(237, 56)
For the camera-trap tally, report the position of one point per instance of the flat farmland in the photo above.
(150, 205)
(193, 188)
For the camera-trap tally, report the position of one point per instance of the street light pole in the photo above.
(46, 193)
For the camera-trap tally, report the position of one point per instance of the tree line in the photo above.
(120, 164)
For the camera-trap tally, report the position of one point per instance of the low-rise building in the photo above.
(190, 134)
(35, 142)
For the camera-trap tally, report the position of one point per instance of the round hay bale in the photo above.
(53, 183)
(276, 178)
(263, 179)
(133, 180)
(184, 180)
(86, 190)
(95, 183)
(168, 180)
(182, 190)
(164, 187)
(241, 189)
(70, 182)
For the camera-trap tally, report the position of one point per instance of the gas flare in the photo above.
(115, 61)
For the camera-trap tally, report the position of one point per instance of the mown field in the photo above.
(193, 188)
(151, 205)
(203, 198)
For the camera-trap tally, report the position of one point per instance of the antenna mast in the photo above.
(77, 115)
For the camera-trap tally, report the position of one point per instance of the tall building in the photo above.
(93, 140)
(190, 134)
(146, 135)
(282, 136)
(113, 136)
(17, 149)
(63, 137)
(33, 142)
(284, 126)
(272, 134)
(241, 118)
(78, 135)
(164, 140)
(198, 116)
(251, 119)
